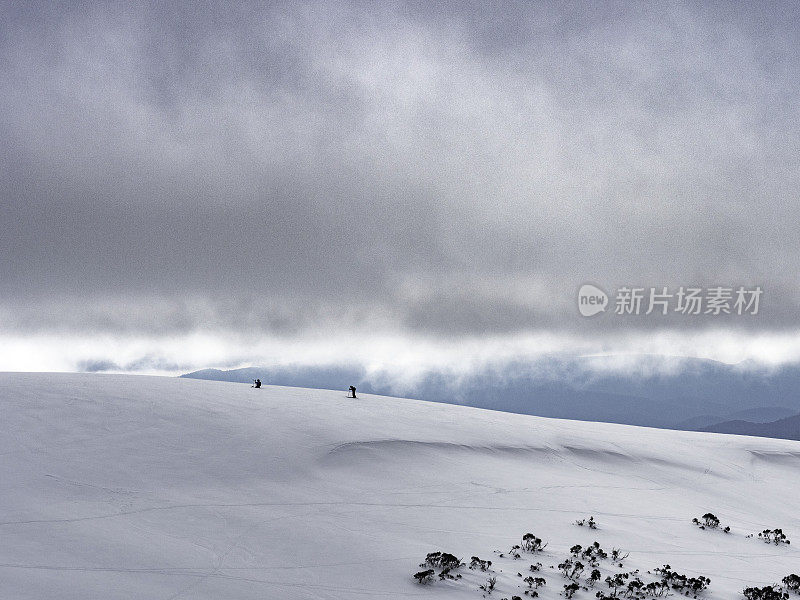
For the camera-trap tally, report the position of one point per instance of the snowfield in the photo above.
(160, 488)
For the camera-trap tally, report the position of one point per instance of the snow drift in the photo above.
(146, 487)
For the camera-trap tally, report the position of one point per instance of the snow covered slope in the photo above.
(144, 487)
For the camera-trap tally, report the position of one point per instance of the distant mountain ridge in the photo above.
(766, 414)
(692, 394)
(787, 429)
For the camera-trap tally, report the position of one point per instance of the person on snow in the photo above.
(257, 383)
(352, 391)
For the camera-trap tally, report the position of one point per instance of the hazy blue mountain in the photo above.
(691, 394)
(307, 377)
(699, 422)
(751, 415)
(766, 414)
(788, 428)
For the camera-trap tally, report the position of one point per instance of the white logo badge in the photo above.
(591, 300)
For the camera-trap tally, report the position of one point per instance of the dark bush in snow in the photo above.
(594, 577)
(709, 521)
(594, 554)
(634, 588)
(570, 589)
(656, 588)
(774, 536)
(477, 563)
(765, 593)
(566, 567)
(590, 523)
(792, 582)
(629, 585)
(617, 556)
(615, 582)
(531, 543)
(446, 574)
(571, 569)
(424, 576)
(535, 582)
(488, 587)
(682, 583)
(445, 560)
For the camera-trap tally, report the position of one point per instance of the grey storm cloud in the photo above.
(443, 168)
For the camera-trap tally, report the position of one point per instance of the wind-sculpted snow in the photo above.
(142, 487)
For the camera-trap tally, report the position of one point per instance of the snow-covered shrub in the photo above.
(636, 588)
(477, 563)
(594, 577)
(566, 567)
(446, 574)
(424, 576)
(709, 521)
(445, 560)
(629, 585)
(617, 556)
(570, 589)
(615, 582)
(488, 587)
(590, 523)
(571, 569)
(765, 593)
(656, 589)
(594, 554)
(535, 582)
(792, 582)
(531, 543)
(683, 583)
(774, 536)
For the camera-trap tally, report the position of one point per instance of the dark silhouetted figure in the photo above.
(352, 391)
(257, 383)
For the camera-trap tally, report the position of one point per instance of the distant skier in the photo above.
(257, 383)
(352, 391)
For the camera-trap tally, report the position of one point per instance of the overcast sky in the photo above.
(217, 184)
